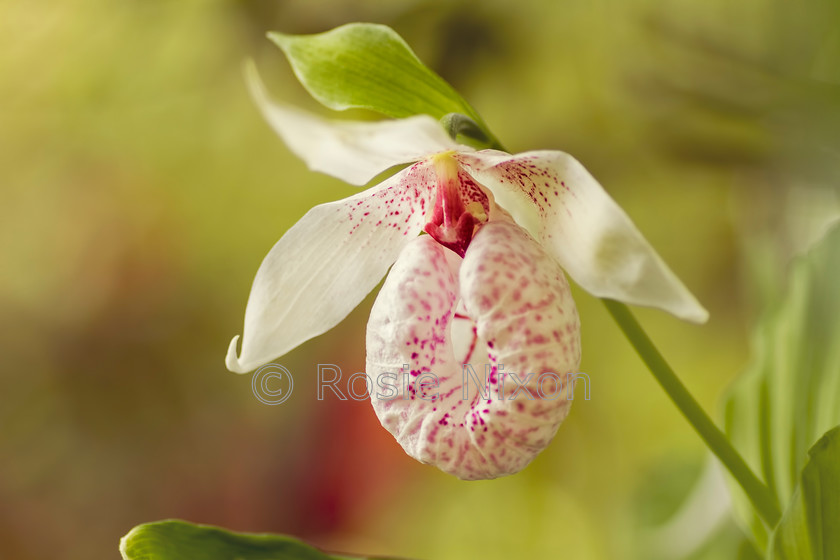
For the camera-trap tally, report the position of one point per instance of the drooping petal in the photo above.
(327, 263)
(351, 150)
(555, 198)
(455, 406)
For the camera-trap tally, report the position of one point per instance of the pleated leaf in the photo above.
(179, 540)
(810, 528)
(790, 395)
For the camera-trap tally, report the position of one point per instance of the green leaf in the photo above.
(179, 540)
(369, 66)
(810, 527)
(790, 395)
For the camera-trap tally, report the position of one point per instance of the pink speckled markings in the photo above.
(507, 304)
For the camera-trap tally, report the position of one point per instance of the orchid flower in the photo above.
(485, 286)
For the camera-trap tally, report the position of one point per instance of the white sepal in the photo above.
(353, 151)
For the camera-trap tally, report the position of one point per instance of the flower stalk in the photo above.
(757, 492)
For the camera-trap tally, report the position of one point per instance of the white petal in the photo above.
(353, 151)
(518, 311)
(327, 263)
(555, 198)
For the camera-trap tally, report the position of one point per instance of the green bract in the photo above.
(369, 66)
(790, 395)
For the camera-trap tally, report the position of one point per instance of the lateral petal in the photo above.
(353, 151)
(327, 263)
(556, 199)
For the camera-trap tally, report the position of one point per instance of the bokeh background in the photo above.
(140, 191)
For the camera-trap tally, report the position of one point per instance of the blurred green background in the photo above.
(140, 191)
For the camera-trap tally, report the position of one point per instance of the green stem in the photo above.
(760, 496)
